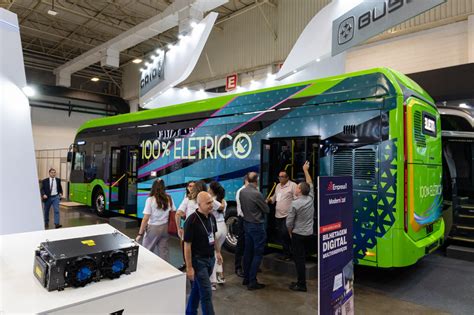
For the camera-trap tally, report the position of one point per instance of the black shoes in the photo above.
(239, 273)
(251, 287)
(256, 286)
(57, 226)
(294, 286)
(285, 258)
(46, 226)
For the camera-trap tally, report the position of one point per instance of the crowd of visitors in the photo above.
(201, 227)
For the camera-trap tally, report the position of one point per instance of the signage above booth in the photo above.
(154, 74)
(370, 18)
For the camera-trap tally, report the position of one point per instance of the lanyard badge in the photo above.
(210, 235)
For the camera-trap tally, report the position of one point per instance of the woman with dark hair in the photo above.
(218, 193)
(155, 220)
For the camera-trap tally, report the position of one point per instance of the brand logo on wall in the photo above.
(153, 74)
(346, 31)
(373, 17)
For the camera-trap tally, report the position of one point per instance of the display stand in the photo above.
(156, 287)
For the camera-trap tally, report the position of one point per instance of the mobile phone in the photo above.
(181, 222)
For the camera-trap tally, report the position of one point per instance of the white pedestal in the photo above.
(156, 287)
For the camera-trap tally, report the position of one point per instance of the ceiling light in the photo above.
(137, 60)
(29, 91)
(463, 105)
(318, 60)
(52, 11)
(94, 79)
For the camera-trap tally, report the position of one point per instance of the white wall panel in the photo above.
(431, 49)
(53, 129)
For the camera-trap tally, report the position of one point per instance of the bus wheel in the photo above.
(99, 203)
(232, 233)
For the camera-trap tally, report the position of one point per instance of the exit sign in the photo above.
(231, 82)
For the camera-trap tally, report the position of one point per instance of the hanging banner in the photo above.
(371, 18)
(335, 239)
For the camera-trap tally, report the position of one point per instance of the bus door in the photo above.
(123, 177)
(287, 154)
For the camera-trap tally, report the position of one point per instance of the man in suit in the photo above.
(51, 193)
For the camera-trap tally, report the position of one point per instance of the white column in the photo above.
(20, 206)
(470, 38)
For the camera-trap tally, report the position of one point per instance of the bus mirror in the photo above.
(69, 156)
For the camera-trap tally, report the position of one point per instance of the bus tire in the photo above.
(231, 221)
(99, 203)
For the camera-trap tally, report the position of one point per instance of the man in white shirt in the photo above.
(239, 249)
(51, 193)
(284, 196)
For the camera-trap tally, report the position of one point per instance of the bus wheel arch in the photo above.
(98, 201)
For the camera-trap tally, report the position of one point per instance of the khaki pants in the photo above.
(156, 240)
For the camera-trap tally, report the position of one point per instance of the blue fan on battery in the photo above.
(81, 272)
(115, 265)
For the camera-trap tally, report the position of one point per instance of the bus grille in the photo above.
(419, 136)
(359, 163)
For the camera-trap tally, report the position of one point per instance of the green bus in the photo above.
(377, 126)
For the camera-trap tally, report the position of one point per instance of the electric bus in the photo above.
(377, 126)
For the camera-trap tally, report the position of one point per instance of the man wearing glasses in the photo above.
(284, 195)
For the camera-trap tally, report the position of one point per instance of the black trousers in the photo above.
(284, 236)
(239, 250)
(301, 245)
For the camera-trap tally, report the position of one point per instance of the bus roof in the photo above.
(397, 79)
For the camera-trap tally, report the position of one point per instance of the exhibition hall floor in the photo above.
(436, 285)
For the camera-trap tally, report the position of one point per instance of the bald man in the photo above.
(199, 246)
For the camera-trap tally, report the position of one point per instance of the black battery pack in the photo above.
(79, 261)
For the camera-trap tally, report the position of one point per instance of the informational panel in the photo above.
(335, 239)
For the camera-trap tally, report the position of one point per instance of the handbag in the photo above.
(172, 228)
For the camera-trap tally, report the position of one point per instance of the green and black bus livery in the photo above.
(377, 126)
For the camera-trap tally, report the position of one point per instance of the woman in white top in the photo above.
(155, 220)
(218, 193)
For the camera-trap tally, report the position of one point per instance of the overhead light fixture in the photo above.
(52, 11)
(137, 60)
(463, 105)
(318, 60)
(29, 91)
(94, 79)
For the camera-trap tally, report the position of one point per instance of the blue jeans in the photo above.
(201, 287)
(51, 201)
(255, 238)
